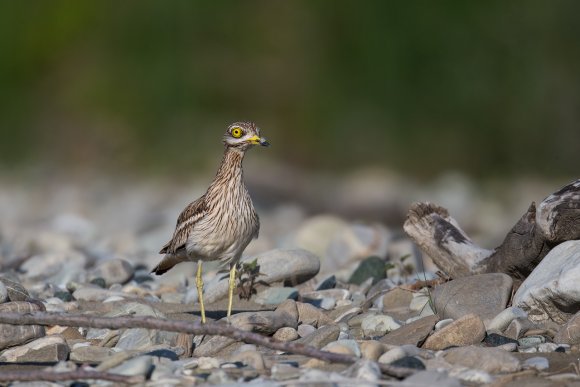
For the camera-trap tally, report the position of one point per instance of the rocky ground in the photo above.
(328, 281)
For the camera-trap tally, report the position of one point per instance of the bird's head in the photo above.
(243, 135)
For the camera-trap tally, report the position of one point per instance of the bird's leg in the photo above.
(232, 286)
(199, 285)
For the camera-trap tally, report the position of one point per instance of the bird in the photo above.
(222, 222)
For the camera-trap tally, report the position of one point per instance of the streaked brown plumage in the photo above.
(222, 222)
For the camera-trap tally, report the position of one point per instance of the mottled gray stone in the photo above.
(16, 292)
(484, 294)
(12, 335)
(552, 291)
(286, 334)
(46, 349)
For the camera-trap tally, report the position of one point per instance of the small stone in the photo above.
(504, 318)
(265, 322)
(327, 283)
(518, 327)
(531, 341)
(3, 293)
(392, 355)
(309, 314)
(55, 268)
(91, 354)
(286, 334)
(63, 295)
(207, 363)
(378, 325)
(345, 347)
(321, 336)
(284, 371)
(316, 233)
(397, 300)
(95, 294)
(16, 292)
(305, 330)
(495, 340)
(538, 363)
(431, 378)
(114, 271)
(275, 295)
(12, 335)
(99, 281)
(364, 371)
(412, 333)
(49, 349)
(464, 331)
(140, 365)
(253, 359)
(490, 360)
(569, 333)
(550, 292)
(372, 267)
(409, 362)
(485, 295)
(371, 349)
(420, 301)
(443, 323)
(289, 307)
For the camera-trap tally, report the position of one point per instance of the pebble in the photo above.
(345, 347)
(464, 331)
(114, 271)
(538, 363)
(531, 341)
(250, 358)
(275, 295)
(371, 349)
(3, 293)
(363, 371)
(492, 360)
(286, 334)
(569, 333)
(47, 267)
(321, 336)
(518, 327)
(356, 242)
(16, 292)
(329, 282)
(378, 325)
(551, 291)
(392, 355)
(502, 321)
(495, 340)
(140, 365)
(309, 314)
(409, 362)
(396, 300)
(485, 295)
(372, 267)
(91, 354)
(305, 330)
(431, 378)
(412, 333)
(443, 323)
(12, 335)
(44, 350)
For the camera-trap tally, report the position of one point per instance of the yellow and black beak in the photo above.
(258, 141)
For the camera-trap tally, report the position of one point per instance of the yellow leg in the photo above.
(232, 286)
(199, 284)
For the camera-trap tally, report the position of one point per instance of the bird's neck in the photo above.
(230, 168)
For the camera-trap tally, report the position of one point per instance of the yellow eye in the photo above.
(236, 132)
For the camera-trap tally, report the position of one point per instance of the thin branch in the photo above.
(80, 374)
(197, 328)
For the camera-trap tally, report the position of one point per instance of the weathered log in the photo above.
(555, 220)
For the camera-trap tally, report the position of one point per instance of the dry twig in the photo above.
(80, 374)
(217, 329)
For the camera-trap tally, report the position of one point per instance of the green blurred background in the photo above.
(487, 88)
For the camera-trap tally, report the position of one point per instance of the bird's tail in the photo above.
(167, 263)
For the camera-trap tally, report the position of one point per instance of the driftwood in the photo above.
(555, 220)
(80, 374)
(197, 328)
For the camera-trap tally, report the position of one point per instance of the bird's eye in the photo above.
(237, 132)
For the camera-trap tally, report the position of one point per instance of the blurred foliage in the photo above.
(418, 86)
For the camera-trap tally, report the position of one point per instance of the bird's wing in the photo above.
(185, 222)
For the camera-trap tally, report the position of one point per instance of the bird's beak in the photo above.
(258, 141)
